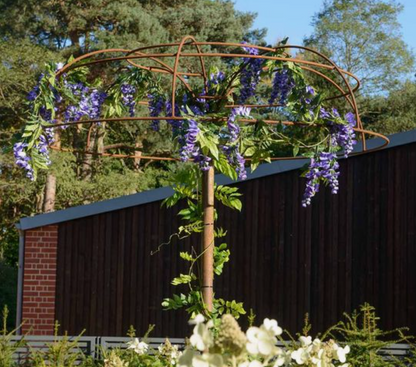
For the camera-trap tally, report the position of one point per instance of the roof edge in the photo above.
(150, 196)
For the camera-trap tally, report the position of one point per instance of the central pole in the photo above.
(208, 238)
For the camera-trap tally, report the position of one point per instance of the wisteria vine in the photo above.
(74, 98)
(216, 124)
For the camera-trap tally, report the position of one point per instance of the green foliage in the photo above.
(7, 346)
(361, 332)
(221, 256)
(51, 30)
(222, 307)
(60, 353)
(392, 113)
(363, 37)
(228, 196)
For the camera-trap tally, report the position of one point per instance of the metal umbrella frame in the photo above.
(160, 59)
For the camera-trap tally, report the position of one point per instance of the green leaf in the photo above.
(186, 256)
(250, 151)
(183, 279)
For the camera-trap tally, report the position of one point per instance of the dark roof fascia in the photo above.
(162, 193)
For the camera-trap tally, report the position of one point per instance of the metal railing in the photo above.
(94, 345)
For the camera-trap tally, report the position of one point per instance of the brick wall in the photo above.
(39, 280)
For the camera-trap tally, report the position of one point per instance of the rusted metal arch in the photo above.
(189, 41)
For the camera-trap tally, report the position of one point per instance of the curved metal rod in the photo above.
(176, 65)
(336, 85)
(85, 56)
(157, 158)
(161, 118)
(167, 69)
(212, 54)
(233, 44)
(341, 73)
(127, 58)
(223, 44)
(137, 54)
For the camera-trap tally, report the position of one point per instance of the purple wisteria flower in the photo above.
(89, 105)
(233, 128)
(342, 135)
(22, 159)
(283, 84)
(175, 124)
(236, 160)
(311, 92)
(96, 100)
(189, 148)
(323, 168)
(216, 78)
(128, 92)
(250, 75)
(156, 106)
(203, 161)
(32, 95)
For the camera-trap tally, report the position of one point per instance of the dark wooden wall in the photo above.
(355, 247)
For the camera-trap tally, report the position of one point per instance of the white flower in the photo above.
(175, 353)
(186, 359)
(341, 352)
(319, 359)
(305, 340)
(138, 346)
(260, 341)
(283, 358)
(301, 356)
(316, 345)
(59, 66)
(207, 360)
(251, 364)
(198, 319)
(202, 339)
(271, 325)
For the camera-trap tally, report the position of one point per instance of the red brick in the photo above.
(39, 284)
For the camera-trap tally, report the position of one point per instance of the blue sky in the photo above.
(292, 18)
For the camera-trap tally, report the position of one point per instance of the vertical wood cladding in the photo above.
(346, 249)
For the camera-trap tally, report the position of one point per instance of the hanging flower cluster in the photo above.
(283, 84)
(323, 168)
(89, 102)
(232, 125)
(156, 107)
(22, 159)
(250, 75)
(128, 100)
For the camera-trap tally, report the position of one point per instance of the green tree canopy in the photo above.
(363, 37)
(393, 113)
(34, 31)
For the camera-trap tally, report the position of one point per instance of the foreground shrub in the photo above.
(366, 340)
(7, 346)
(228, 345)
(356, 341)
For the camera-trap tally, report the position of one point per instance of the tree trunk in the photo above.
(49, 196)
(208, 238)
(50, 193)
(87, 161)
(137, 154)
